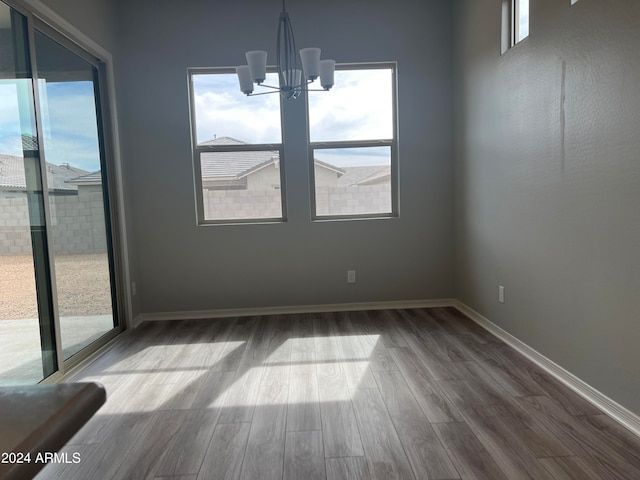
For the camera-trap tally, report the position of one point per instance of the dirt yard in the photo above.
(82, 282)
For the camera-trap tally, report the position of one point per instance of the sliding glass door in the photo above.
(57, 293)
(68, 94)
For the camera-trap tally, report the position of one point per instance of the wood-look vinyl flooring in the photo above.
(391, 394)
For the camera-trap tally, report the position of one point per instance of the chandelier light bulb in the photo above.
(257, 60)
(310, 63)
(244, 77)
(327, 69)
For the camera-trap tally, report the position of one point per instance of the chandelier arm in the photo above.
(263, 93)
(268, 86)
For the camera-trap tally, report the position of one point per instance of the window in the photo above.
(237, 147)
(353, 146)
(515, 22)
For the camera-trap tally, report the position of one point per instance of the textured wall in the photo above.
(95, 18)
(186, 267)
(547, 183)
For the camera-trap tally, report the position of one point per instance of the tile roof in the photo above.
(230, 165)
(362, 175)
(92, 178)
(12, 174)
(234, 164)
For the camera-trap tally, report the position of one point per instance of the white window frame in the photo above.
(392, 143)
(197, 150)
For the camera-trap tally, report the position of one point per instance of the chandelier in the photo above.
(292, 79)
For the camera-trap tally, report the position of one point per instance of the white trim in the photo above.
(627, 418)
(245, 312)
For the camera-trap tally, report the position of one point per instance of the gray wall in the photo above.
(186, 267)
(547, 183)
(95, 18)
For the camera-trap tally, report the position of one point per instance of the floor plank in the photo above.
(188, 447)
(347, 468)
(508, 451)
(225, 453)
(625, 443)
(429, 395)
(304, 456)
(569, 468)
(303, 408)
(141, 461)
(470, 457)
(426, 454)
(265, 448)
(339, 427)
(241, 397)
(383, 450)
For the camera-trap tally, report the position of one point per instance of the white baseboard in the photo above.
(245, 312)
(627, 418)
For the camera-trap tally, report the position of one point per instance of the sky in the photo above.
(523, 19)
(69, 123)
(358, 107)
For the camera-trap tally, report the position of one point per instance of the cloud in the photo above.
(69, 123)
(358, 107)
(222, 110)
(10, 134)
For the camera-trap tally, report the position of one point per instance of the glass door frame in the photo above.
(118, 267)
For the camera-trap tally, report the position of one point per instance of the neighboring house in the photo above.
(88, 183)
(248, 170)
(13, 182)
(369, 175)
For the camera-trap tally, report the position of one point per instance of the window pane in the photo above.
(79, 227)
(352, 181)
(241, 185)
(358, 107)
(522, 19)
(222, 110)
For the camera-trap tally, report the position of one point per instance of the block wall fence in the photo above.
(78, 225)
(223, 204)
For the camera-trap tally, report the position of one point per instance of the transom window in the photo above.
(515, 23)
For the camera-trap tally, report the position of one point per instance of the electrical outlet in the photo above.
(500, 293)
(351, 276)
(134, 290)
